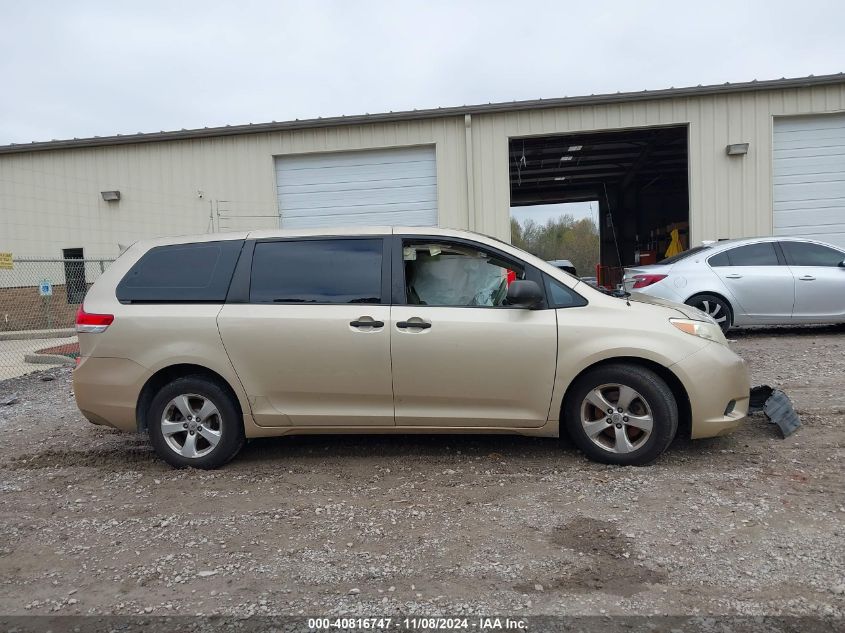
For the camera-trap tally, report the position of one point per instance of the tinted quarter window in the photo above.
(562, 296)
(762, 254)
(182, 273)
(317, 271)
(806, 254)
(719, 260)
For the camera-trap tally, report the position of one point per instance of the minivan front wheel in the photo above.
(193, 422)
(621, 414)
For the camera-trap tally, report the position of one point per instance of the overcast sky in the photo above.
(77, 68)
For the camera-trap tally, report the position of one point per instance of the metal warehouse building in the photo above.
(758, 158)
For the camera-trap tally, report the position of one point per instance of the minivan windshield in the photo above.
(676, 258)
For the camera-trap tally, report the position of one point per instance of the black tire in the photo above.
(227, 422)
(653, 396)
(716, 307)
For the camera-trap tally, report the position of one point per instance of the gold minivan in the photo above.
(203, 342)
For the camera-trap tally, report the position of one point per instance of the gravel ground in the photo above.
(92, 523)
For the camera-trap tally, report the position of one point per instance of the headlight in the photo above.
(704, 329)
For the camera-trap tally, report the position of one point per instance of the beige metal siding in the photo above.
(50, 200)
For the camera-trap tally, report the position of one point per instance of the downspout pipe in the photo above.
(472, 222)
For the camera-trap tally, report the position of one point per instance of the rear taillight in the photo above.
(641, 281)
(92, 323)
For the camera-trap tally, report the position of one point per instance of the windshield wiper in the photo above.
(621, 294)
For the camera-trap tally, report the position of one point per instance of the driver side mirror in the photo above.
(524, 293)
(842, 264)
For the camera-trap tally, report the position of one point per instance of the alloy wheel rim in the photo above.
(716, 311)
(191, 425)
(616, 418)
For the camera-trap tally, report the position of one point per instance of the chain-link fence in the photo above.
(38, 303)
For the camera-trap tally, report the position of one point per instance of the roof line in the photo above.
(410, 115)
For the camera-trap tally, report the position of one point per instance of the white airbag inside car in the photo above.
(454, 280)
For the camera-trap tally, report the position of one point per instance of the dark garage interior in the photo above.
(639, 178)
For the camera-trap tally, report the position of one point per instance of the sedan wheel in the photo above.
(716, 307)
(616, 418)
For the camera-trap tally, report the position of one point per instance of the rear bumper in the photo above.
(107, 389)
(718, 387)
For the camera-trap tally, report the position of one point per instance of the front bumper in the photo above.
(718, 387)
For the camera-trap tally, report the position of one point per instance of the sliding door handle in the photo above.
(366, 323)
(404, 325)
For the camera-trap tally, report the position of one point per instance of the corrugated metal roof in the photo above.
(386, 117)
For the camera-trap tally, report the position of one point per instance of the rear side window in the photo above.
(761, 254)
(807, 254)
(181, 273)
(317, 271)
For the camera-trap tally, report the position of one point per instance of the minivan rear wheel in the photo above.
(621, 414)
(194, 422)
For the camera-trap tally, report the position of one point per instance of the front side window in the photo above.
(761, 254)
(808, 254)
(317, 271)
(442, 274)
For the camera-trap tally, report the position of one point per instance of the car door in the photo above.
(819, 281)
(758, 280)
(306, 328)
(461, 358)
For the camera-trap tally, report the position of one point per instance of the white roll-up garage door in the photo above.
(361, 188)
(809, 177)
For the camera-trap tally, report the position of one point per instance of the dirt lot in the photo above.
(92, 522)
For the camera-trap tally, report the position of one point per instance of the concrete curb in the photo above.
(26, 335)
(48, 359)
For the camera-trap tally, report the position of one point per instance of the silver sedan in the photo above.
(756, 281)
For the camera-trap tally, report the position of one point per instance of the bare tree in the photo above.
(561, 238)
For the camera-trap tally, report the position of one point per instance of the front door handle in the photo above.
(366, 323)
(733, 276)
(403, 325)
(807, 278)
